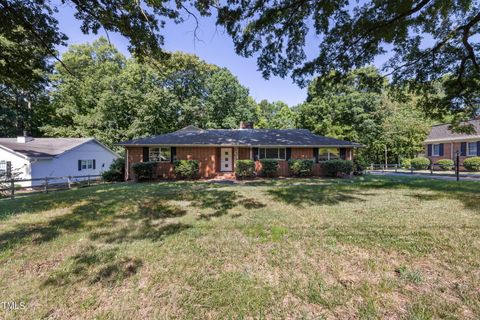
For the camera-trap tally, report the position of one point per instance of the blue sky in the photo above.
(214, 46)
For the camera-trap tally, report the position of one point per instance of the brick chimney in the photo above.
(24, 139)
(246, 125)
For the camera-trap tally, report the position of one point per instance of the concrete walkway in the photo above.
(427, 176)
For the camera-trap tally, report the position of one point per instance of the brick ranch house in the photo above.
(442, 143)
(217, 150)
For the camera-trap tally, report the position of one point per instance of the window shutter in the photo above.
(173, 154)
(94, 166)
(146, 154)
(343, 153)
(315, 154)
(441, 149)
(79, 165)
(255, 153)
(9, 169)
(429, 150)
(288, 153)
(478, 148)
(463, 149)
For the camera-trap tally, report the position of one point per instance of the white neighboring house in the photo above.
(37, 158)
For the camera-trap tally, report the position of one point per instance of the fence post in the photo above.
(431, 168)
(88, 179)
(396, 167)
(46, 185)
(457, 166)
(69, 182)
(411, 169)
(12, 185)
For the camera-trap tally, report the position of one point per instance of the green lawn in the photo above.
(373, 247)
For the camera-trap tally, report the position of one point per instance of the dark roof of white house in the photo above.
(442, 132)
(240, 137)
(43, 147)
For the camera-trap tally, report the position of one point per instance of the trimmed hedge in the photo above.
(301, 167)
(446, 164)
(186, 169)
(245, 169)
(116, 171)
(269, 167)
(144, 170)
(335, 168)
(420, 163)
(472, 164)
(406, 163)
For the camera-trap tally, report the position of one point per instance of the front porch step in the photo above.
(225, 176)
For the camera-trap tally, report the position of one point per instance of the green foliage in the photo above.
(144, 170)
(358, 107)
(116, 171)
(275, 115)
(335, 168)
(472, 164)
(269, 167)
(353, 34)
(406, 163)
(446, 164)
(119, 99)
(186, 169)
(420, 163)
(301, 167)
(244, 169)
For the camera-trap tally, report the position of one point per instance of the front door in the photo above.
(226, 159)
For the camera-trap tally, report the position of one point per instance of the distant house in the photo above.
(35, 158)
(442, 143)
(217, 150)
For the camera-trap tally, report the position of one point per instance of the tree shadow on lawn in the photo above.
(467, 192)
(306, 195)
(118, 214)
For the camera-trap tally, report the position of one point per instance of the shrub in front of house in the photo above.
(301, 167)
(144, 170)
(337, 168)
(269, 167)
(472, 164)
(245, 169)
(446, 164)
(116, 171)
(406, 163)
(420, 163)
(186, 169)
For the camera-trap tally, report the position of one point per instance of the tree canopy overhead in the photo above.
(428, 40)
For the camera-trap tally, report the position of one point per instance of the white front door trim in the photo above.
(226, 159)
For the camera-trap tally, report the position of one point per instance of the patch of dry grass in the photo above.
(367, 248)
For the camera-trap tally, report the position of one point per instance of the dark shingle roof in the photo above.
(240, 137)
(42, 147)
(442, 132)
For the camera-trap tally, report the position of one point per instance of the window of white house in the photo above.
(160, 154)
(325, 154)
(436, 150)
(472, 149)
(3, 167)
(271, 153)
(86, 164)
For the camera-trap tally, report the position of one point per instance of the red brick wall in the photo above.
(302, 153)
(134, 155)
(448, 153)
(206, 156)
(243, 153)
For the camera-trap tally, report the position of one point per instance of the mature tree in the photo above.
(357, 107)
(275, 115)
(116, 98)
(429, 39)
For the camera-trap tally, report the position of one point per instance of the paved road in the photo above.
(421, 175)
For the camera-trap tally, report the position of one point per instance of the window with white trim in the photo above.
(325, 154)
(436, 150)
(86, 164)
(472, 149)
(272, 153)
(160, 154)
(3, 167)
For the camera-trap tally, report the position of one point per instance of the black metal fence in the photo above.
(13, 187)
(432, 169)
